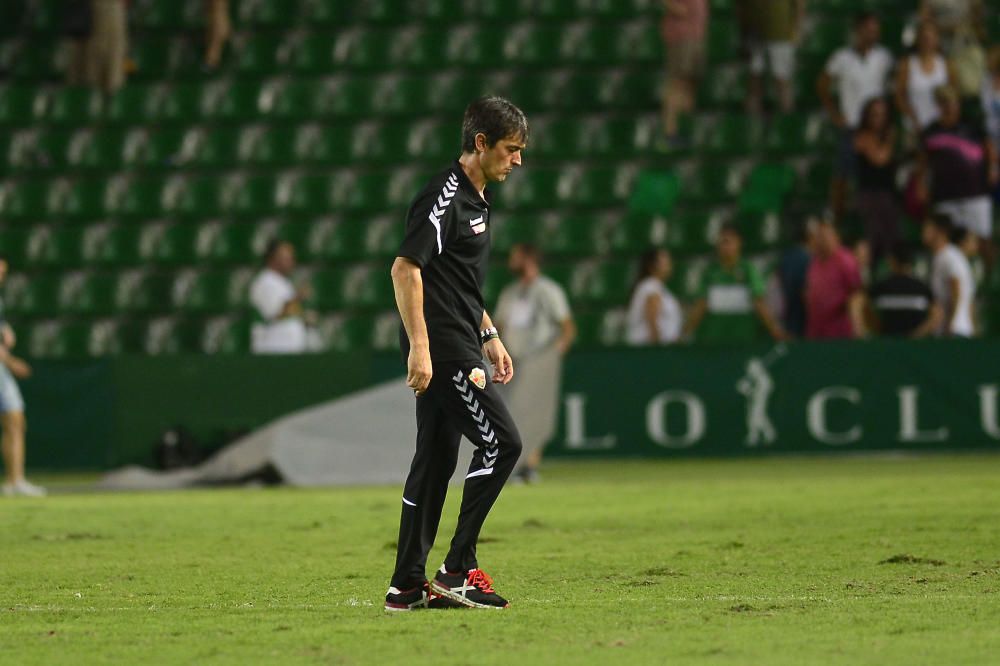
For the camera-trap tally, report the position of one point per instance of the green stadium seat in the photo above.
(433, 142)
(399, 96)
(139, 103)
(57, 247)
(73, 106)
(816, 182)
(311, 53)
(211, 291)
(37, 60)
(533, 44)
(88, 294)
(361, 49)
(639, 42)
(348, 332)
(725, 89)
(417, 48)
(610, 282)
(142, 292)
(326, 13)
(825, 38)
(446, 87)
(159, 57)
(599, 328)
(731, 134)
(471, 46)
(162, 335)
(536, 190)
(224, 335)
(224, 101)
(264, 13)
(258, 55)
(328, 288)
(234, 243)
(98, 150)
(17, 105)
(713, 182)
(170, 244)
(29, 199)
(767, 188)
(170, 16)
(34, 297)
(182, 103)
(85, 199)
(51, 150)
(13, 242)
(323, 144)
(576, 235)
(655, 192)
(507, 230)
(383, 11)
(497, 277)
(439, 11)
(382, 236)
(329, 239)
(260, 145)
(368, 287)
(761, 228)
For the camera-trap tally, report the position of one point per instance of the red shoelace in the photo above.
(481, 580)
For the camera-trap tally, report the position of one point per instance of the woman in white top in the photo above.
(654, 315)
(919, 76)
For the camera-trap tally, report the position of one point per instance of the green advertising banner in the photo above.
(671, 401)
(805, 397)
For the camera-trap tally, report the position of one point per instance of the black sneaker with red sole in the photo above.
(473, 589)
(416, 598)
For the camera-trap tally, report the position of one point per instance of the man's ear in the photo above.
(481, 142)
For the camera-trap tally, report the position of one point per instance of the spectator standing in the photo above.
(218, 30)
(877, 199)
(859, 72)
(771, 30)
(730, 308)
(957, 167)
(952, 282)
(280, 326)
(533, 316)
(654, 314)
(834, 297)
(107, 46)
(901, 305)
(991, 107)
(12, 422)
(956, 19)
(684, 27)
(78, 23)
(919, 75)
(792, 270)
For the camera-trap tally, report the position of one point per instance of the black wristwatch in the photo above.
(488, 334)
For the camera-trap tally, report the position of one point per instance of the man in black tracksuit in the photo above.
(437, 277)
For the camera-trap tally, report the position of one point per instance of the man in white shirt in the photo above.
(534, 317)
(860, 73)
(952, 281)
(280, 326)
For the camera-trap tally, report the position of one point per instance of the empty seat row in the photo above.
(327, 98)
(240, 194)
(435, 143)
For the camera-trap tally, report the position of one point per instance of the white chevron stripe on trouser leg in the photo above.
(491, 442)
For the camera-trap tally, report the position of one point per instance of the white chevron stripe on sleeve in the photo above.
(443, 201)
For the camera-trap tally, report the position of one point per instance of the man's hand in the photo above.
(503, 367)
(7, 337)
(418, 369)
(18, 367)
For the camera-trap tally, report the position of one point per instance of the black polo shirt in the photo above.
(448, 236)
(902, 303)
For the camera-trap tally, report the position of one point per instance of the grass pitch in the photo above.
(783, 561)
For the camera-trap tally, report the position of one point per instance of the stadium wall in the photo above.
(680, 401)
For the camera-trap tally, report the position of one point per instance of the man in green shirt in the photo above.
(771, 29)
(730, 308)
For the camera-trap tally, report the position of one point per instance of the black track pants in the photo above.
(454, 405)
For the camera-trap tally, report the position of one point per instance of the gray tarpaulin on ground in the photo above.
(364, 438)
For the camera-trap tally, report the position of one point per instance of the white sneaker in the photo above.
(24, 488)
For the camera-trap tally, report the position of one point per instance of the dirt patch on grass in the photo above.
(661, 571)
(906, 558)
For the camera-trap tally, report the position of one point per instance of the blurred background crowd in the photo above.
(224, 175)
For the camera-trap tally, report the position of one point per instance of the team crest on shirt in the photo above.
(478, 377)
(478, 224)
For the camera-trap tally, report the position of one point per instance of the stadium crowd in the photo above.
(917, 141)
